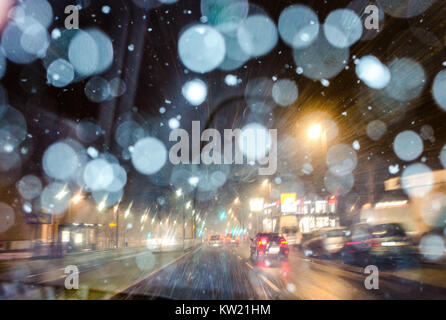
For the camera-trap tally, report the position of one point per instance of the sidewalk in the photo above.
(11, 259)
(20, 255)
(102, 273)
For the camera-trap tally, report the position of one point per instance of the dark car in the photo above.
(389, 242)
(269, 245)
(377, 243)
(356, 248)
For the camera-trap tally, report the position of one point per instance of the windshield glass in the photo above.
(147, 146)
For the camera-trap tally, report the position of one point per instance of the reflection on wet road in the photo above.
(228, 273)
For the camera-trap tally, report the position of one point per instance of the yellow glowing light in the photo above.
(314, 132)
(76, 198)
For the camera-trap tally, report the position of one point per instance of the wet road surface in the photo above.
(228, 273)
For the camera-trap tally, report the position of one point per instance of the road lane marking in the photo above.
(272, 285)
(249, 265)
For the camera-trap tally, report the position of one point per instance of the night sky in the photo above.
(154, 75)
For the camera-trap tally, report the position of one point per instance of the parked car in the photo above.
(387, 242)
(356, 248)
(325, 242)
(269, 245)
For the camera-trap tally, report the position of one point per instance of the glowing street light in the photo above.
(314, 132)
(101, 205)
(236, 200)
(179, 192)
(265, 182)
(62, 193)
(77, 197)
(127, 212)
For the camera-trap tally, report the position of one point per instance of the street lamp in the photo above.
(77, 197)
(318, 132)
(101, 205)
(62, 193)
(315, 131)
(127, 212)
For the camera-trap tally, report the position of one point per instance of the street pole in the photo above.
(271, 210)
(184, 224)
(117, 229)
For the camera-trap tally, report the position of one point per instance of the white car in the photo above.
(325, 242)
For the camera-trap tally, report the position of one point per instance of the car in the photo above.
(389, 243)
(215, 240)
(269, 245)
(356, 247)
(325, 242)
(231, 240)
(380, 243)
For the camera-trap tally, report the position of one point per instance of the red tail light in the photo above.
(353, 243)
(373, 243)
(283, 243)
(262, 242)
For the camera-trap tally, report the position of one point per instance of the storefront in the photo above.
(78, 236)
(317, 213)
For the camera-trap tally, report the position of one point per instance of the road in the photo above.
(101, 274)
(228, 273)
(211, 273)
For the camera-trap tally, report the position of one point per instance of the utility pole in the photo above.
(117, 229)
(184, 224)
